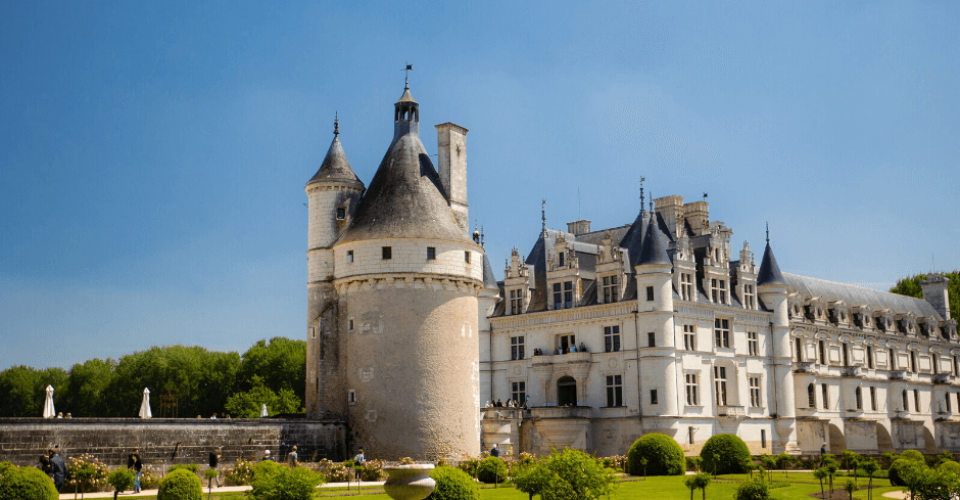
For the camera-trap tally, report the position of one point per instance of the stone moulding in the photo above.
(415, 281)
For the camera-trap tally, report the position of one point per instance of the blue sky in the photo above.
(153, 154)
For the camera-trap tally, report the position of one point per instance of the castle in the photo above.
(602, 336)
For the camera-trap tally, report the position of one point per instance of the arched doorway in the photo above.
(884, 443)
(837, 442)
(567, 391)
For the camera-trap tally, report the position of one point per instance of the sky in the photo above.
(153, 155)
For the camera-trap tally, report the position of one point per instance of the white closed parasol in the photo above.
(48, 411)
(145, 405)
(263, 411)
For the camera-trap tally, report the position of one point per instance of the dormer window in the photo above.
(866, 319)
(718, 290)
(341, 213)
(749, 297)
(843, 316)
(516, 301)
(686, 286)
(610, 290)
(561, 259)
(819, 313)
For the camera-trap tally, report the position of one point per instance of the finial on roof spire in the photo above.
(406, 81)
(543, 214)
(641, 192)
(481, 236)
(768, 232)
(336, 124)
(651, 202)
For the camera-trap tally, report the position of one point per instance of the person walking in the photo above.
(494, 452)
(214, 462)
(359, 459)
(44, 465)
(59, 468)
(135, 463)
(292, 457)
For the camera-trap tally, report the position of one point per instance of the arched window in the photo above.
(811, 396)
(859, 399)
(846, 355)
(567, 391)
(823, 353)
(799, 350)
(913, 362)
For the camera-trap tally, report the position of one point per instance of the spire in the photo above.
(335, 166)
(652, 251)
(769, 270)
(543, 215)
(406, 112)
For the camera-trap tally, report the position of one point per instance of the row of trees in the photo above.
(204, 382)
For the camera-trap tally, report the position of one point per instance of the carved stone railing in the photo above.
(561, 412)
(731, 411)
(853, 371)
(898, 375)
(806, 367)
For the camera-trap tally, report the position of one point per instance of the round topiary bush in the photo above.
(912, 455)
(725, 454)
(492, 470)
(895, 472)
(950, 466)
(453, 484)
(664, 456)
(26, 483)
(180, 484)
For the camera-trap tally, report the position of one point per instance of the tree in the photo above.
(700, 481)
(281, 363)
(783, 461)
(911, 287)
(23, 390)
(851, 486)
(121, 479)
(820, 474)
(87, 388)
(577, 476)
(725, 454)
(656, 454)
(690, 482)
(210, 475)
(533, 478)
(248, 404)
(870, 466)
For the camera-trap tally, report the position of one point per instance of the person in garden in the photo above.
(359, 459)
(59, 468)
(136, 464)
(214, 462)
(494, 452)
(267, 457)
(45, 466)
(292, 457)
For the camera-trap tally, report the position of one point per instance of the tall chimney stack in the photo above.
(935, 292)
(452, 164)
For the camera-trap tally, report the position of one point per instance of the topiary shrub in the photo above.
(492, 470)
(912, 455)
(725, 454)
(180, 484)
(894, 473)
(121, 479)
(286, 483)
(757, 489)
(453, 484)
(950, 466)
(664, 456)
(194, 468)
(26, 483)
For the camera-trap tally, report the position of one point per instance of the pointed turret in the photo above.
(652, 251)
(335, 166)
(769, 270)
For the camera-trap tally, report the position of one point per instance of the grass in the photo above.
(801, 485)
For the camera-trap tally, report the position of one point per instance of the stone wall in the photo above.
(169, 441)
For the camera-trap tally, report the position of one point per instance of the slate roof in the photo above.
(855, 296)
(405, 199)
(769, 270)
(335, 166)
(652, 251)
(489, 280)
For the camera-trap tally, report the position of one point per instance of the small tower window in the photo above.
(341, 213)
(431, 253)
(350, 324)
(387, 253)
(649, 293)
(653, 397)
(466, 257)
(651, 339)
(349, 256)
(352, 396)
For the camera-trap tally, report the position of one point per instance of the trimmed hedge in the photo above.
(26, 483)
(734, 456)
(664, 456)
(492, 469)
(453, 484)
(950, 466)
(180, 484)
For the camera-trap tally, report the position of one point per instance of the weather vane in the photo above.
(406, 83)
(543, 214)
(336, 124)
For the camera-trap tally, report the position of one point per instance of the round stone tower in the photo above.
(333, 193)
(408, 280)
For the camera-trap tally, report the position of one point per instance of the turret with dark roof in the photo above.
(335, 166)
(405, 198)
(652, 251)
(769, 270)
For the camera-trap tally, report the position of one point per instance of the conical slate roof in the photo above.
(405, 199)
(335, 166)
(489, 280)
(652, 251)
(769, 270)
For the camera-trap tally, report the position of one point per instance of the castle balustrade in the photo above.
(731, 411)
(899, 375)
(571, 357)
(853, 371)
(806, 367)
(561, 412)
(501, 412)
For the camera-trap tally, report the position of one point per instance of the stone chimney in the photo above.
(671, 208)
(452, 167)
(578, 227)
(698, 215)
(935, 292)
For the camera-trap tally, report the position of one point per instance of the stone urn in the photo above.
(409, 482)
